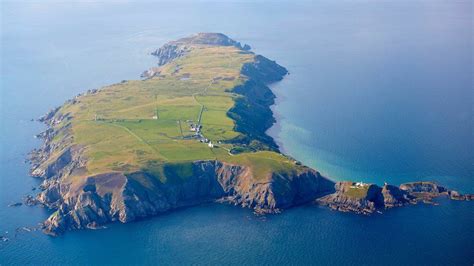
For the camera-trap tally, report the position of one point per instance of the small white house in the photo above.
(210, 144)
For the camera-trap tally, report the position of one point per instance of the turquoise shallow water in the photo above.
(378, 91)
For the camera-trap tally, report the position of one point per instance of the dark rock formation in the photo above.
(30, 200)
(48, 116)
(252, 113)
(50, 194)
(253, 116)
(264, 70)
(423, 187)
(393, 196)
(429, 190)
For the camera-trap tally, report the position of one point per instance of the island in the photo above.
(192, 130)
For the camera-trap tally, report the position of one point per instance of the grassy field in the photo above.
(117, 127)
(357, 192)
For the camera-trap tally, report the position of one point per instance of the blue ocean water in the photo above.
(378, 91)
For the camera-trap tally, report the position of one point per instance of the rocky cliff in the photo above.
(117, 197)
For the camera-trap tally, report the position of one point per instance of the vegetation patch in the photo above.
(357, 192)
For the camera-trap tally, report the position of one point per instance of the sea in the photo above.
(378, 91)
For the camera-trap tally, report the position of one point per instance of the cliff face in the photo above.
(343, 200)
(252, 113)
(394, 196)
(253, 116)
(264, 70)
(115, 197)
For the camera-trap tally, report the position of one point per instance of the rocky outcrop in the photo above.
(282, 191)
(345, 199)
(368, 198)
(455, 195)
(50, 194)
(169, 52)
(181, 47)
(49, 115)
(264, 70)
(29, 200)
(394, 197)
(141, 195)
(429, 190)
(423, 187)
(54, 155)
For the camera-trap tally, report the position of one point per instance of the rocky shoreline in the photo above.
(211, 180)
(125, 197)
(369, 198)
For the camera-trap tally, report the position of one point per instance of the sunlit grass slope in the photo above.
(143, 125)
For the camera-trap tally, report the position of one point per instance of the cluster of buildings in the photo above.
(209, 143)
(196, 128)
(359, 185)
